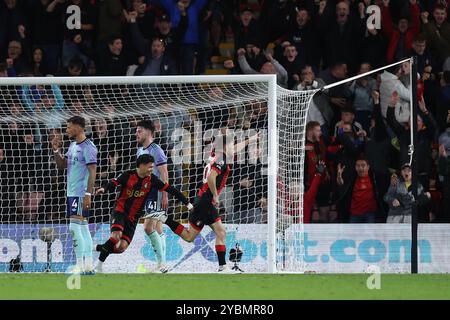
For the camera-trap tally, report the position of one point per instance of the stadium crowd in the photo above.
(360, 130)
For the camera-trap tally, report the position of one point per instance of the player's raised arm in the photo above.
(61, 161)
(241, 145)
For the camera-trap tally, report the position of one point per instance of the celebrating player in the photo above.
(139, 188)
(206, 204)
(153, 228)
(81, 163)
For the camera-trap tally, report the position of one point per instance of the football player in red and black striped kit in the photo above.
(205, 210)
(138, 188)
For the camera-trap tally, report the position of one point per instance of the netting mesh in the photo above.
(189, 118)
(292, 108)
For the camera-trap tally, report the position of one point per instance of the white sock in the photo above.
(163, 245)
(78, 241)
(88, 246)
(88, 263)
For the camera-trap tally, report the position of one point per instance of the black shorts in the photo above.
(120, 222)
(204, 213)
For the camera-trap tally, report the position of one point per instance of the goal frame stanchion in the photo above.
(272, 175)
(269, 80)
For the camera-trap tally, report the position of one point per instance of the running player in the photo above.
(138, 188)
(206, 204)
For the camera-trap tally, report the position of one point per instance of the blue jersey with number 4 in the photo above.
(79, 157)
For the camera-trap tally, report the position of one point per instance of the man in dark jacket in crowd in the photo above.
(156, 62)
(113, 61)
(426, 128)
(357, 193)
(303, 37)
(341, 35)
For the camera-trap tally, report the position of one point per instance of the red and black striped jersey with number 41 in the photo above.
(136, 190)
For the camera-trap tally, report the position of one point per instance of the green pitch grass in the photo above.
(212, 286)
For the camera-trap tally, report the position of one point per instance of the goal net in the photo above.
(191, 115)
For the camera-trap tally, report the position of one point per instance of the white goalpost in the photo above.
(190, 113)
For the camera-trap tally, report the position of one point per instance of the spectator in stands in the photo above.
(292, 63)
(315, 151)
(17, 56)
(419, 49)
(357, 193)
(38, 64)
(373, 47)
(145, 18)
(339, 96)
(341, 34)
(47, 102)
(426, 67)
(47, 30)
(426, 128)
(319, 109)
(400, 198)
(75, 68)
(55, 182)
(392, 82)
(109, 21)
(303, 37)
(347, 119)
(172, 36)
(254, 55)
(351, 145)
(12, 23)
(29, 183)
(154, 60)
(309, 196)
(74, 46)
(109, 161)
(400, 38)
(437, 32)
(113, 61)
(362, 89)
(272, 66)
(164, 30)
(378, 152)
(190, 40)
(36, 98)
(246, 30)
(277, 19)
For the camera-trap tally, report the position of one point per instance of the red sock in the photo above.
(179, 230)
